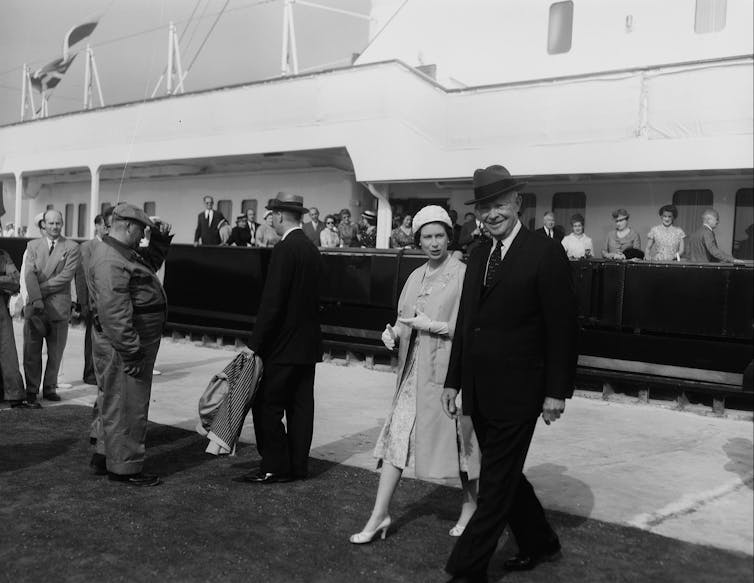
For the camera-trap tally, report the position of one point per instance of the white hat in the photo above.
(430, 214)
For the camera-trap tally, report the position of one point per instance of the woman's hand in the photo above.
(420, 322)
(448, 400)
(388, 337)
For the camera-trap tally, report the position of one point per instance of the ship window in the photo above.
(743, 225)
(226, 209)
(528, 209)
(691, 205)
(710, 16)
(81, 226)
(249, 203)
(69, 209)
(566, 204)
(150, 208)
(560, 29)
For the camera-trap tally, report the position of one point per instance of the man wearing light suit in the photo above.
(208, 224)
(51, 264)
(514, 355)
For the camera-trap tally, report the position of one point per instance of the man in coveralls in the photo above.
(129, 308)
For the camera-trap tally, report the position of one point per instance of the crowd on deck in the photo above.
(665, 242)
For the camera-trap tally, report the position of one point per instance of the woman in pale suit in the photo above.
(416, 432)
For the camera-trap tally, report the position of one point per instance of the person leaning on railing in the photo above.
(622, 238)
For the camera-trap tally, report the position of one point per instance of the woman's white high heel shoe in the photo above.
(367, 536)
(457, 530)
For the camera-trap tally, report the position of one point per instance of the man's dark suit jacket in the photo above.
(515, 341)
(287, 329)
(557, 232)
(252, 228)
(312, 233)
(208, 233)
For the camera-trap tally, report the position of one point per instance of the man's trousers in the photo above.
(285, 389)
(505, 498)
(55, 334)
(120, 430)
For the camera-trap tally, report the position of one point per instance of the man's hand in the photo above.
(448, 400)
(552, 409)
(38, 305)
(133, 370)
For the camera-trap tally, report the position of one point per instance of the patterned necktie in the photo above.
(52, 246)
(493, 265)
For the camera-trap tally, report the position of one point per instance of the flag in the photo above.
(77, 34)
(51, 74)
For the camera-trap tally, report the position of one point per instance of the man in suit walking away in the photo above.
(313, 228)
(208, 224)
(549, 229)
(288, 339)
(51, 264)
(514, 354)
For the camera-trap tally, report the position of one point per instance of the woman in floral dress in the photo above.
(416, 432)
(665, 241)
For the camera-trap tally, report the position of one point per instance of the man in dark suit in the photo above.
(514, 354)
(101, 229)
(313, 228)
(207, 224)
(549, 229)
(49, 268)
(287, 337)
(252, 225)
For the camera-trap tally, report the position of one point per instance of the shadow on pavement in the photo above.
(740, 452)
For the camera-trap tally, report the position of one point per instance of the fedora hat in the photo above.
(491, 182)
(287, 202)
(370, 216)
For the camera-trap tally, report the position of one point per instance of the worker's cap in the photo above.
(128, 212)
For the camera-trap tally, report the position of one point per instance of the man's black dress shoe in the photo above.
(139, 479)
(98, 464)
(523, 562)
(51, 397)
(469, 579)
(25, 405)
(265, 478)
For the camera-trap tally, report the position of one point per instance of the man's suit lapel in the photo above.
(509, 259)
(52, 260)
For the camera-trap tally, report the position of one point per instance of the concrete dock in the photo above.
(681, 474)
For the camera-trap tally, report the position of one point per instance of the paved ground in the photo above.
(679, 474)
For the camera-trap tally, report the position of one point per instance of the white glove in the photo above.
(389, 337)
(423, 323)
